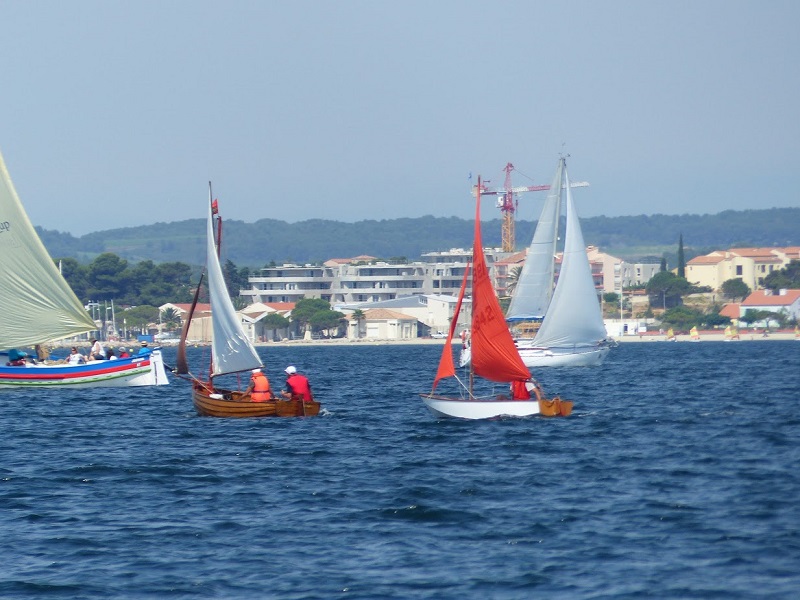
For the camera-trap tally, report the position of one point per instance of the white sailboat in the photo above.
(572, 332)
(38, 306)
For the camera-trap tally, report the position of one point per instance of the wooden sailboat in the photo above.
(39, 307)
(493, 354)
(572, 332)
(231, 350)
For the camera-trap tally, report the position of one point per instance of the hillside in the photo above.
(256, 244)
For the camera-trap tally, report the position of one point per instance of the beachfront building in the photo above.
(782, 301)
(751, 265)
(361, 279)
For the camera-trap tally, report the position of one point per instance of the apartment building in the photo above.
(751, 265)
(362, 279)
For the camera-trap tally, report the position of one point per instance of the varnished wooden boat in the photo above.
(227, 403)
(232, 351)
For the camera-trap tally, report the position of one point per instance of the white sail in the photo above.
(574, 318)
(534, 286)
(231, 350)
(36, 303)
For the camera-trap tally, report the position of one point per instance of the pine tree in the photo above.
(681, 259)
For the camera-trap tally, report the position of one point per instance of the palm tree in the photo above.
(170, 319)
(513, 279)
(359, 315)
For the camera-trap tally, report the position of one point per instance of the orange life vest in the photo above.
(261, 391)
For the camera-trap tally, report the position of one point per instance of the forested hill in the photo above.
(256, 244)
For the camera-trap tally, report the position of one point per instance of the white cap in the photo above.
(290, 370)
(256, 370)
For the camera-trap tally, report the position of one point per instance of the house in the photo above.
(751, 265)
(782, 301)
(382, 324)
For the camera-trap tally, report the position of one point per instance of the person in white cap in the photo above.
(297, 386)
(259, 389)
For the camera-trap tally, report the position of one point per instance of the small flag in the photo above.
(214, 207)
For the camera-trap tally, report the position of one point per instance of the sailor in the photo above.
(144, 350)
(97, 352)
(297, 386)
(522, 389)
(75, 357)
(259, 389)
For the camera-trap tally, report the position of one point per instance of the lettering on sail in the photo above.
(7, 238)
(5, 227)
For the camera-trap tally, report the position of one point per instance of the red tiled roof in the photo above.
(762, 298)
(384, 314)
(730, 310)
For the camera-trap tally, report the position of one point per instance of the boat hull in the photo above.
(460, 408)
(232, 404)
(123, 372)
(544, 357)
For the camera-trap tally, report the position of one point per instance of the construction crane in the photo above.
(508, 202)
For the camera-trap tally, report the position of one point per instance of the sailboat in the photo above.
(231, 350)
(693, 333)
(731, 333)
(493, 355)
(39, 307)
(572, 332)
(671, 335)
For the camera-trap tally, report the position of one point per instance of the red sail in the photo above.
(446, 366)
(494, 355)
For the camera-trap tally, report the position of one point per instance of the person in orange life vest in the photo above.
(259, 387)
(297, 386)
(521, 390)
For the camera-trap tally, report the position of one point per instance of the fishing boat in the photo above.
(572, 332)
(493, 355)
(231, 350)
(39, 308)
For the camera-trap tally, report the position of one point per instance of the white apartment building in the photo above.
(362, 279)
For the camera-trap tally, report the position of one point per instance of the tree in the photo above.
(663, 265)
(106, 277)
(786, 278)
(325, 320)
(666, 289)
(170, 319)
(75, 274)
(682, 317)
(139, 317)
(681, 259)
(306, 308)
(513, 280)
(359, 315)
(734, 289)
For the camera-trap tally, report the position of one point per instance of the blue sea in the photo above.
(677, 476)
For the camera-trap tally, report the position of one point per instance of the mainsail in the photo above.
(231, 350)
(573, 317)
(36, 303)
(494, 355)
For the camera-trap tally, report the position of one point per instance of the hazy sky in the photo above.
(115, 114)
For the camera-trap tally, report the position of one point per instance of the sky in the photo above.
(118, 114)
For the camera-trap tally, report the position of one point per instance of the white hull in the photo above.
(543, 357)
(127, 372)
(480, 409)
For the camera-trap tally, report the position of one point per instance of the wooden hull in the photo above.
(231, 404)
(444, 406)
(123, 372)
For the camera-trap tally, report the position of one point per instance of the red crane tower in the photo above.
(508, 202)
